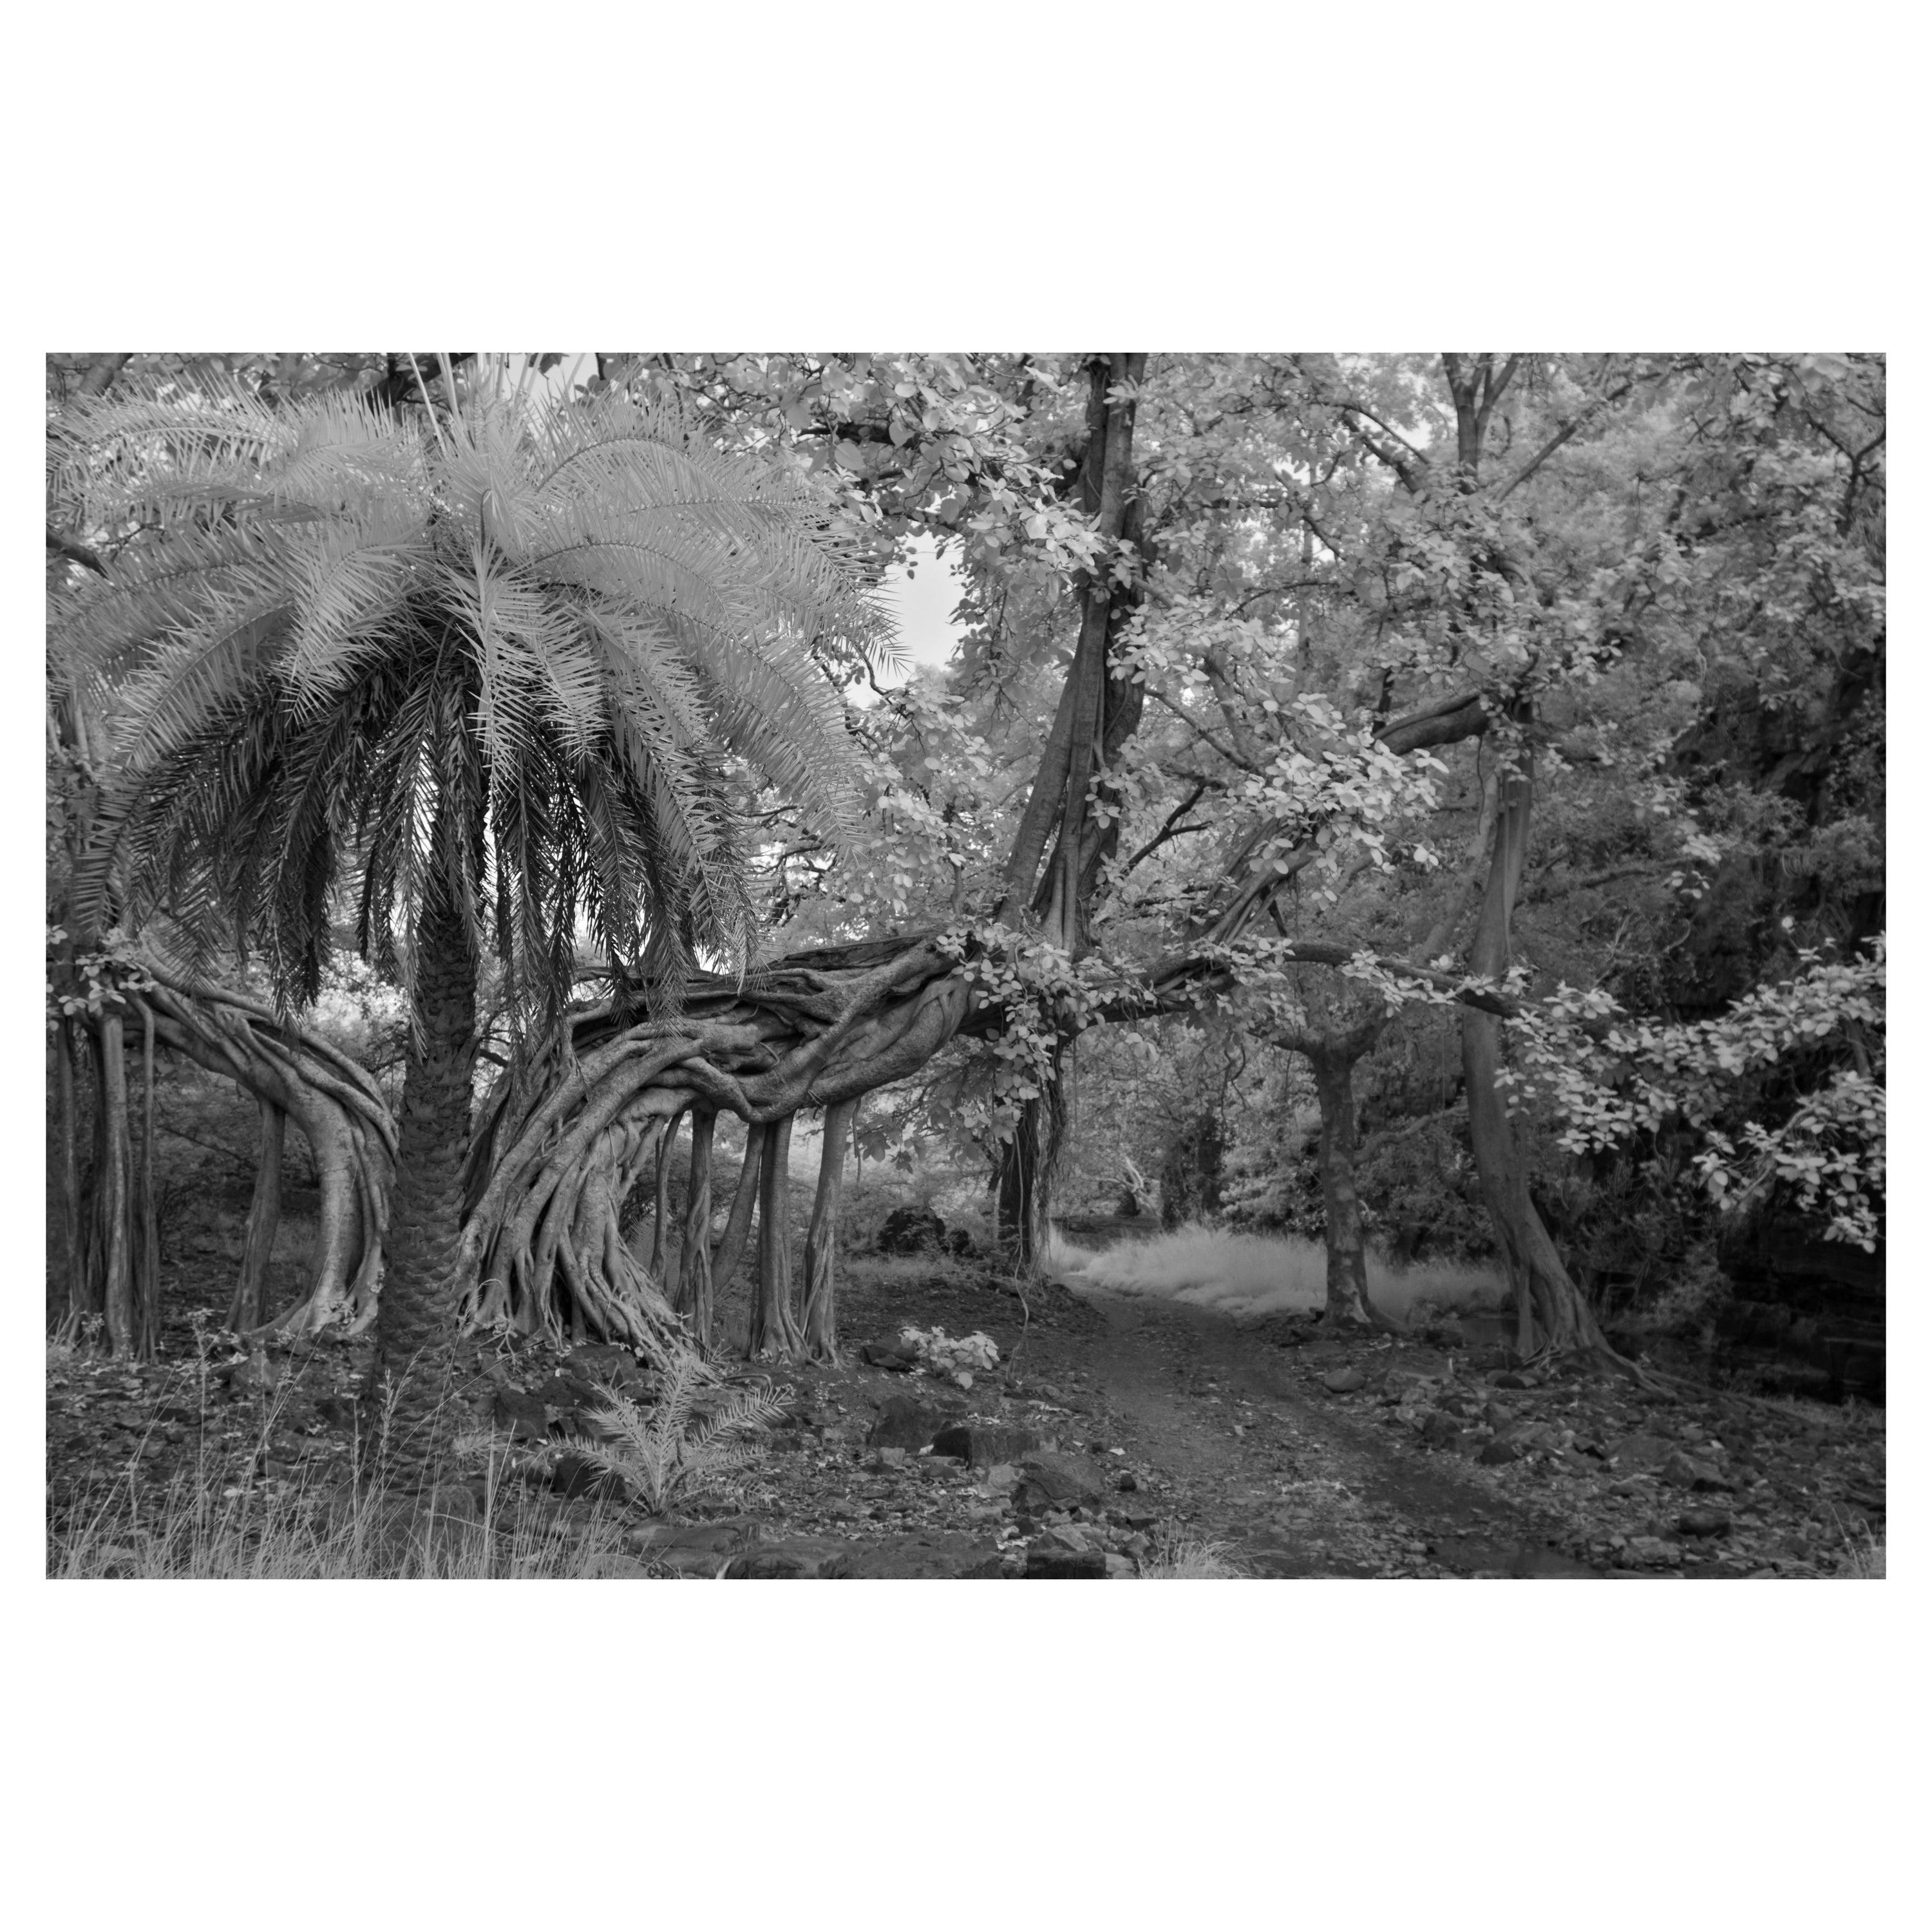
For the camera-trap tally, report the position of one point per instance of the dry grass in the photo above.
(1197, 1558)
(1261, 1274)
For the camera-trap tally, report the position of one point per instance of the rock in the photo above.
(911, 1231)
(889, 1352)
(523, 1415)
(1043, 1561)
(1509, 1379)
(574, 1477)
(1119, 1566)
(1001, 1479)
(1127, 1482)
(1440, 1431)
(1704, 1523)
(794, 1557)
(1344, 1381)
(1066, 1536)
(887, 1459)
(1499, 1451)
(981, 1444)
(596, 1364)
(909, 1422)
(1689, 1472)
(1051, 1481)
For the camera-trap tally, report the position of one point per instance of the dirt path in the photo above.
(1248, 1456)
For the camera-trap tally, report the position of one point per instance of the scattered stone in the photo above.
(1344, 1381)
(1689, 1472)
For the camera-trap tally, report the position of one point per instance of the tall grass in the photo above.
(204, 1526)
(1260, 1274)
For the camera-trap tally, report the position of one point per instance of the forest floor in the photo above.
(1118, 1437)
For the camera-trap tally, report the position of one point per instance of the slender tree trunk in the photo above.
(774, 1330)
(693, 1298)
(112, 1191)
(1551, 1311)
(664, 1254)
(148, 1273)
(67, 1165)
(821, 1241)
(730, 1249)
(416, 1316)
(250, 1307)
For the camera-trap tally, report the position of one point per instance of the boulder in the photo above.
(909, 1422)
(1344, 1381)
(523, 1415)
(911, 1231)
(1045, 1560)
(981, 1444)
(1048, 1480)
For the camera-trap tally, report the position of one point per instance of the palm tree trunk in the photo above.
(416, 1318)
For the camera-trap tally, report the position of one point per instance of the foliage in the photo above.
(941, 1353)
(686, 1438)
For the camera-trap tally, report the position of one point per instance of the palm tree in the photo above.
(496, 672)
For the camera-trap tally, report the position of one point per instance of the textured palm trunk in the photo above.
(693, 1299)
(821, 1241)
(113, 1189)
(411, 1375)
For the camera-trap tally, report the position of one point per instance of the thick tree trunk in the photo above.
(821, 1241)
(415, 1319)
(1348, 1300)
(774, 1330)
(693, 1297)
(664, 1251)
(1551, 1311)
(1027, 1165)
(250, 1307)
